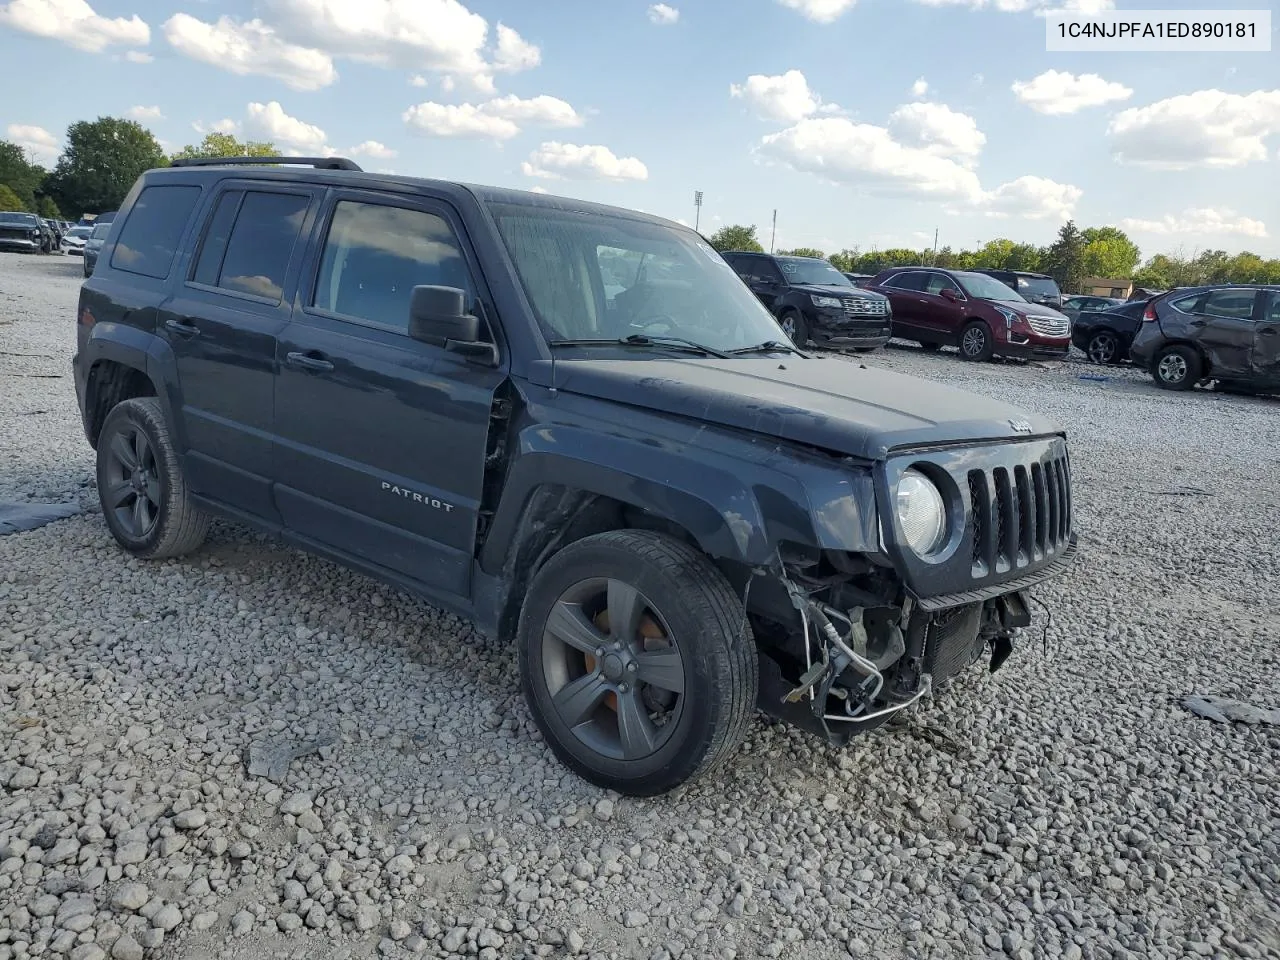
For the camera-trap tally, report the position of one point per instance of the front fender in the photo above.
(143, 351)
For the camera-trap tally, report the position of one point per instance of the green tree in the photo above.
(47, 208)
(20, 175)
(1108, 252)
(1212, 266)
(803, 252)
(1064, 260)
(225, 145)
(736, 237)
(102, 160)
(995, 254)
(845, 260)
(9, 200)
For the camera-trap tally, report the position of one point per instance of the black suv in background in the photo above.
(814, 301)
(572, 424)
(1230, 334)
(1105, 335)
(1033, 287)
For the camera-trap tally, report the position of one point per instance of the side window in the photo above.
(149, 238)
(910, 280)
(374, 255)
(938, 282)
(249, 241)
(1186, 304)
(765, 269)
(1231, 304)
(1273, 310)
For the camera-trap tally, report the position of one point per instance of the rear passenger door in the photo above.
(381, 439)
(222, 324)
(1224, 325)
(906, 296)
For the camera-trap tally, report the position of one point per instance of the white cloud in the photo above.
(417, 80)
(42, 145)
(1204, 220)
(75, 23)
(145, 113)
(373, 150)
(937, 129)
(464, 120)
(663, 15)
(920, 87)
(225, 125)
(268, 121)
(497, 119)
(1057, 92)
(250, 48)
(555, 161)
(786, 97)
(1207, 128)
(514, 53)
(538, 189)
(1033, 198)
(821, 11)
(137, 56)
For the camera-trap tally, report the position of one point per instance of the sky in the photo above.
(865, 124)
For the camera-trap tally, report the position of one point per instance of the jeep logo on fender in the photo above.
(431, 502)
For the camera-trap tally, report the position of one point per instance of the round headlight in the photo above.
(921, 513)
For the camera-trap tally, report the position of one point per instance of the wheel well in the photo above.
(111, 383)
(555, 517)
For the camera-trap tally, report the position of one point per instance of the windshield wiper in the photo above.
(643, 340)
(769, 346)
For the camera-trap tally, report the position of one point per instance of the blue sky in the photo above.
(865, 124)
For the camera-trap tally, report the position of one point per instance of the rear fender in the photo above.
(131, 347)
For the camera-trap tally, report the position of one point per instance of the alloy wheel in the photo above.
(789, 326)
(613, 669)
(132, 492)
(974, 342)
(1102, 348)
(1172, 369)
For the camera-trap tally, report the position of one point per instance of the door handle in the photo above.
(1197, 323)
(182, 328)
(1268, 331)
(305, 361)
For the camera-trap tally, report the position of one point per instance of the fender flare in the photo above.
(142, 351)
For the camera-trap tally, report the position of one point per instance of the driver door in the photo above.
(1266, 342)
(763, 277)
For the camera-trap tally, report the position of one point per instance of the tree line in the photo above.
(1075, 254)
(99, 164)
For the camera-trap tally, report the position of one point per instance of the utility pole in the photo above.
(774, 232)
(935, 247)
(697, 209)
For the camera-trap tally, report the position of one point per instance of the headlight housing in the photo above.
(825, 301)
(922, 513)
(1010, 317)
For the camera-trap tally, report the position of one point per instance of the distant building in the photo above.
(1103, 287)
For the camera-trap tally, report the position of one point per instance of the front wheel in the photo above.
(637, 661)
(143, 493)
(1103, 347)
(1177, 368)
(793, 326)
(975, 342)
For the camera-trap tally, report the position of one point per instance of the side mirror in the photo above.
(950, 294)
(437, 315)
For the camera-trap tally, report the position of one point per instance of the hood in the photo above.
(837, 290)
(830, 404)
(1033, 307)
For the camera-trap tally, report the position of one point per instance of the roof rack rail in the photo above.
(320, 163)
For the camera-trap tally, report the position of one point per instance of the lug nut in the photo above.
(632, 667)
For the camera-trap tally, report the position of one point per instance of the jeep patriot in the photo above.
(573, 425)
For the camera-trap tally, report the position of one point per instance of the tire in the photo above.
(690, 629)
(928, 346)
(148, 510)
(1177, 367)
(976, 342)
(793, 326)
(1103, 348)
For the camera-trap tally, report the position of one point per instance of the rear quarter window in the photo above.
(150, 235)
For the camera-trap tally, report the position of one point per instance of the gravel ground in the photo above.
(1067, 806)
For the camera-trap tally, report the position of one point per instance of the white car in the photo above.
(74, 239)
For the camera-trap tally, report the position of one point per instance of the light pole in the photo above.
(697, 209)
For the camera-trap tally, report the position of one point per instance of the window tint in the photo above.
(1186, 304)
(216, 235)
(911, 280)
(375, 255)
(262, 239)
(1273, 310)
(937, 282)
(150, 236)
(1232, 304)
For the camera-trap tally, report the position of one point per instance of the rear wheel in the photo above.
(141, 488)
(1177, 367)
(976, 342)
(1103, 347)
(793, 326)
(636, 661)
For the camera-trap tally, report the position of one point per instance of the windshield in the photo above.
(804, 270)
(987, 288)
(78, 232)
(1038, 287)
(100, 231)
(26, 219)
(602, 277)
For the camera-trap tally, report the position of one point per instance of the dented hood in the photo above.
(831, 404)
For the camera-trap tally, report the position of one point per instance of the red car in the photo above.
(972, 311)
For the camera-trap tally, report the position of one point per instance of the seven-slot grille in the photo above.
(1049, 326)
(1020, 515)
(865, 307)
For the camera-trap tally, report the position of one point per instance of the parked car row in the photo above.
(24, 231)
